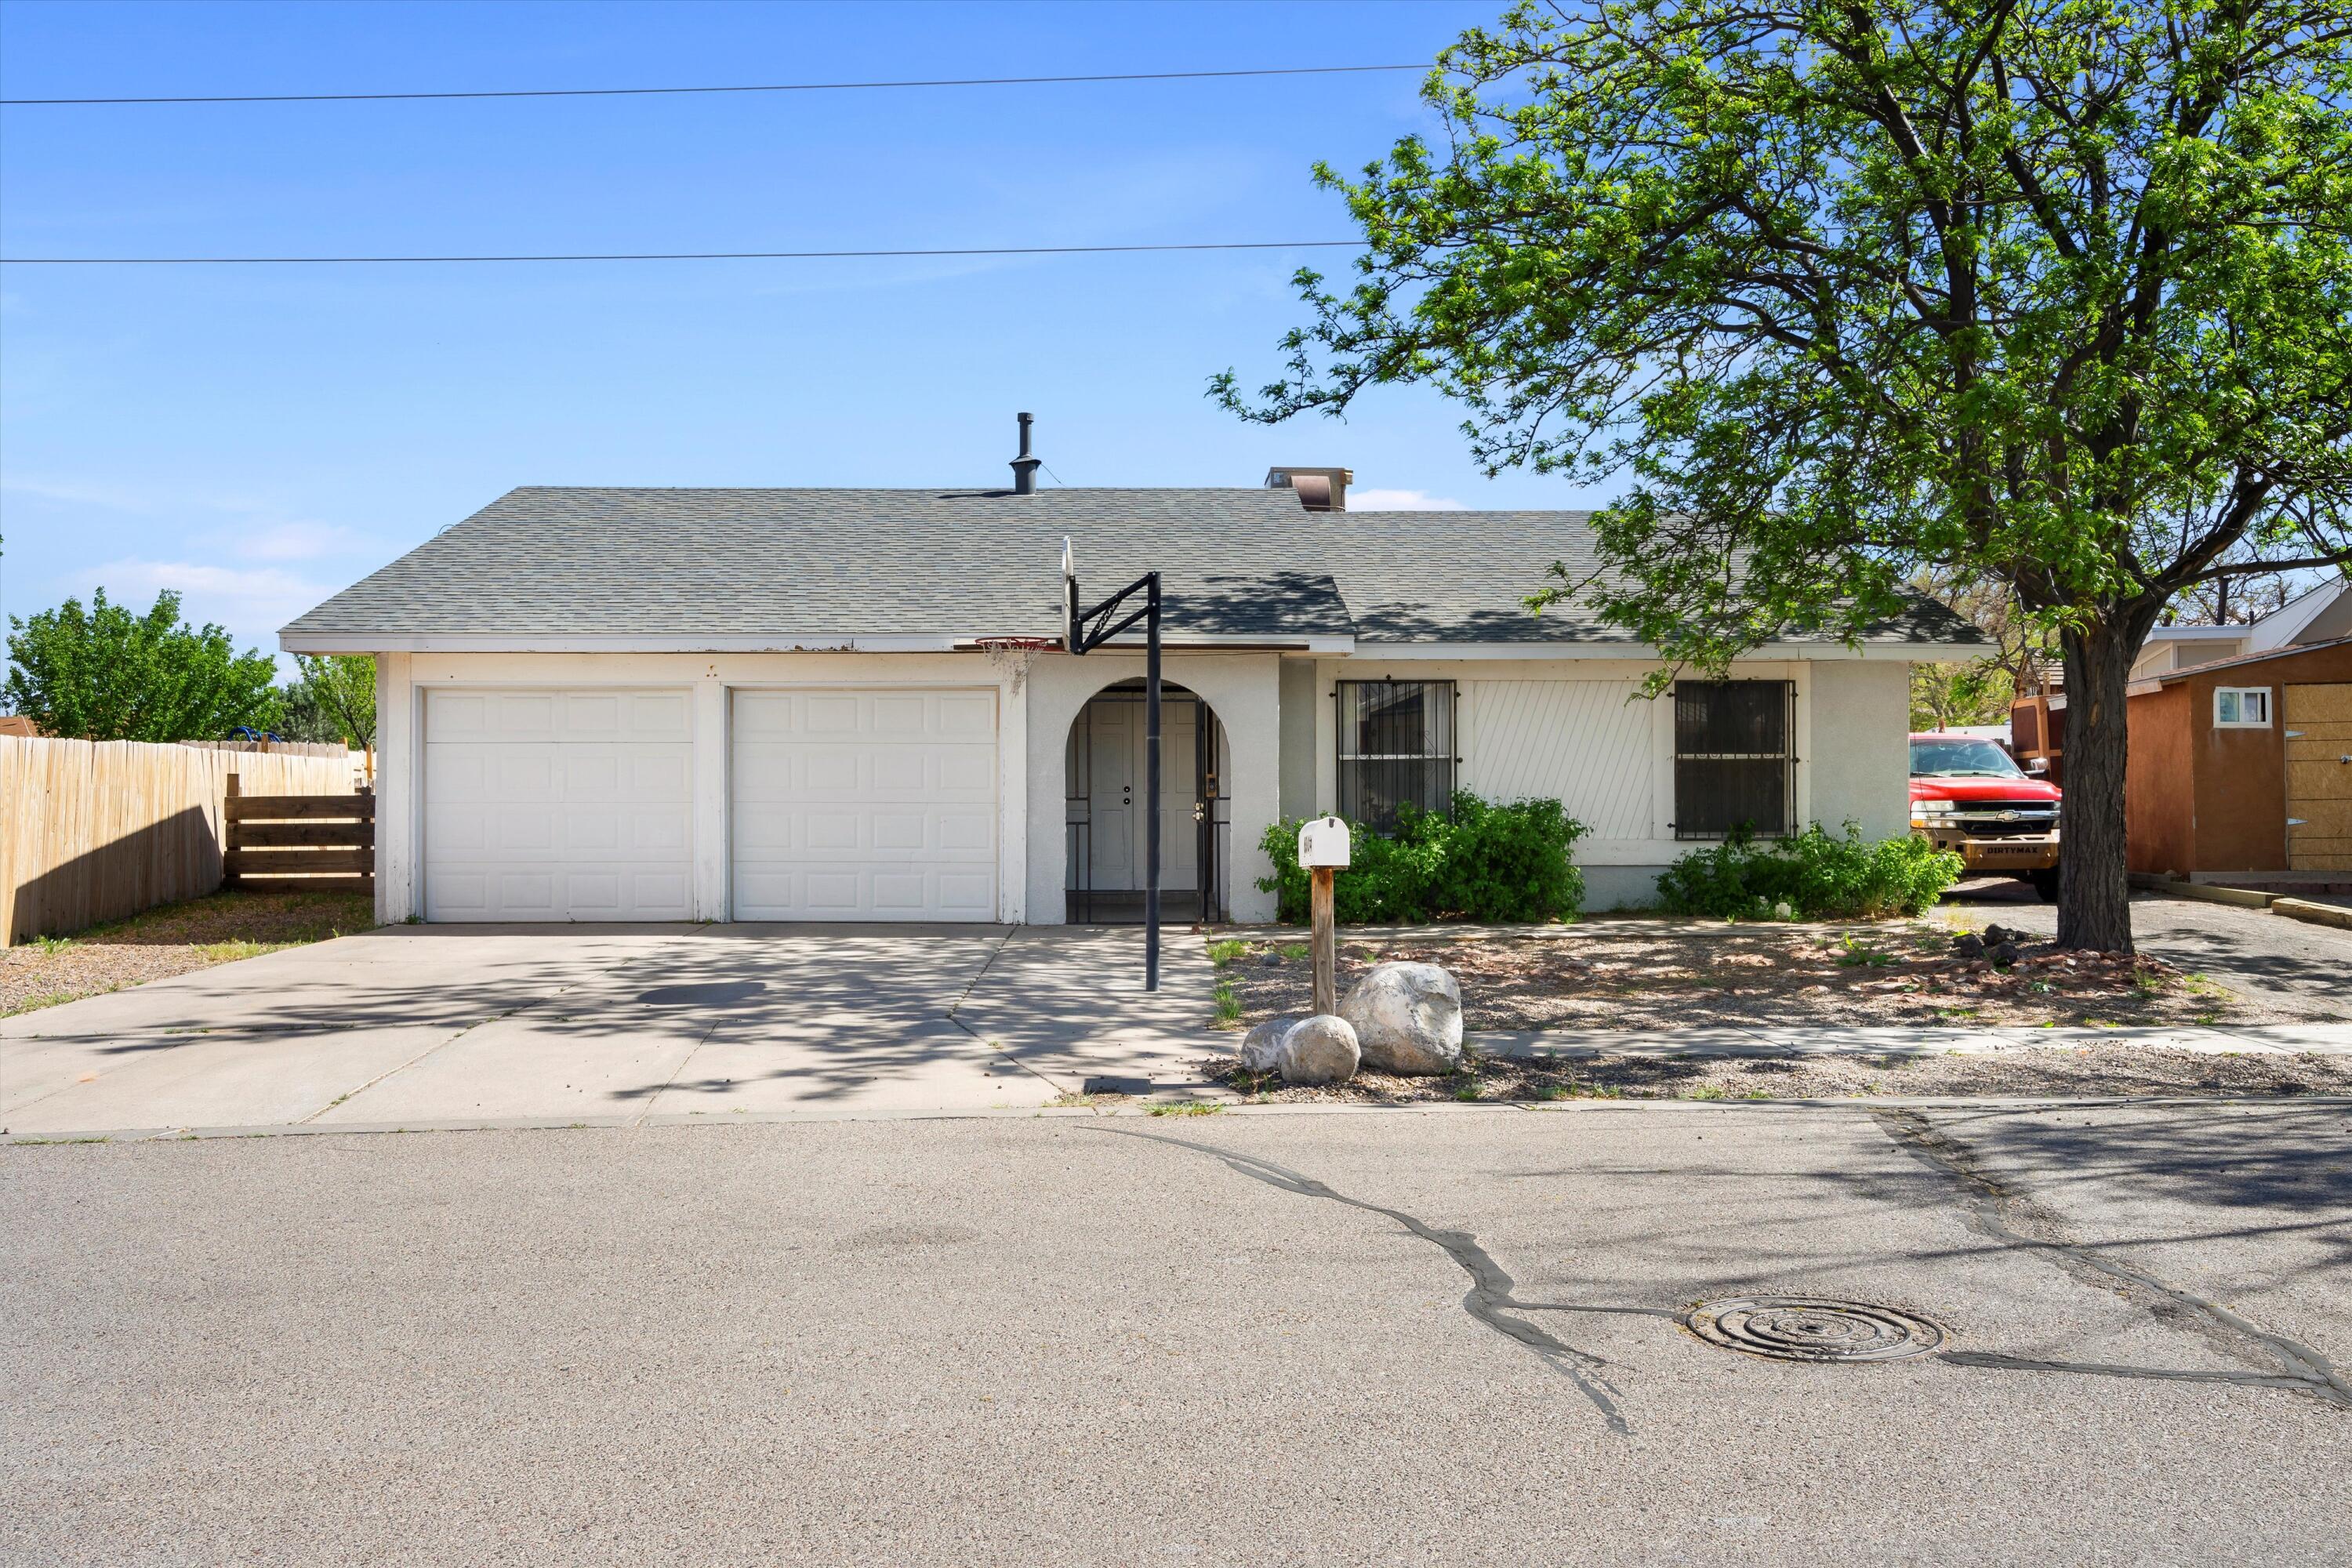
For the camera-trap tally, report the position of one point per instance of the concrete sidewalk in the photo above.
(440, 1026)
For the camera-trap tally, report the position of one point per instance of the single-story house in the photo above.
(787, 704)
(2243, 765)
(2321, 613)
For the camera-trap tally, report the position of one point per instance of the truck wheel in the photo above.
(2045, 884)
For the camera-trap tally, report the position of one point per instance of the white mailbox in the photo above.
(1323, 842)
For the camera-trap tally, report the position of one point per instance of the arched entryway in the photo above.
(1104, 820)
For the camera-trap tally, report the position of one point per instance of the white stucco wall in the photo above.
(1242, 689)
(1574, 728)
(1860, 755)
(1559, 727)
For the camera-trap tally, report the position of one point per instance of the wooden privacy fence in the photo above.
(300, 843)
(95, 830)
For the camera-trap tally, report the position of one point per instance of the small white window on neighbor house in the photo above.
(2242, 707)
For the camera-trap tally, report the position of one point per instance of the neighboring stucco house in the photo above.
(773, 704)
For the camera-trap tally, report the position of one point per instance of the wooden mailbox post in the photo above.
(1323, 850)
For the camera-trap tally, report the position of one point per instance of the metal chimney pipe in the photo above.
(1025, 467)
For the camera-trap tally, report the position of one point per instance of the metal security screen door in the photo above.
(1735, 757)
(1396, 744)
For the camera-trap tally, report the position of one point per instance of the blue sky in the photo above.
(258, 437)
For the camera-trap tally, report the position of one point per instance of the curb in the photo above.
(2207, 892)
(1851, 1104)
(2318, 914)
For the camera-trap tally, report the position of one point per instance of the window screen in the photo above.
(1396, 743)
(1734, 766)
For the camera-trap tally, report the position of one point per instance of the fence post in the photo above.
(229, 831)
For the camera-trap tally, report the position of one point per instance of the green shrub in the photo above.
(1487, 860)
(1818, 875)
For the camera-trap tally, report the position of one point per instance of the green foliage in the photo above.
(104, 674)
(1817, 875)
(2054, 294)
(334, 700)
(1485, 861)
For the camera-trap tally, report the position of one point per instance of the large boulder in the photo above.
(1262, 1046)
(1407, 1019)
(1320, 1049)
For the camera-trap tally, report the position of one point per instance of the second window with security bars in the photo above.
(1735, 758)
(1396, 744)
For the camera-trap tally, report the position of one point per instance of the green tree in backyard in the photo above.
(334, 700)
(1978, 691)
(105, 674)
(2056, 293)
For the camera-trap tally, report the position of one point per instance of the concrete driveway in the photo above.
(434, 1027)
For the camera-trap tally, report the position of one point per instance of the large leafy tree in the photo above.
(2052, 293)
(333, 699)
(105, 674)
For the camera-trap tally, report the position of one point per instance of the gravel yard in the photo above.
(2033, 1071)
(1634, 974)
(173, 940)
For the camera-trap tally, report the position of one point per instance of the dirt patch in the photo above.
(1626, 975)
(173, 940)
(2091, 1070)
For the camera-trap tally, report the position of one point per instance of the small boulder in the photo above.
(1969, 944)
(1407, 1019)
(1996, 934)
(1262, 1046)
(2002, 953)
(1318, 1049)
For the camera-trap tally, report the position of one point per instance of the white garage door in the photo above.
(557, 805)
(865, 805)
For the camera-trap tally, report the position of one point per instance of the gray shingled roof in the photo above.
(545, 563)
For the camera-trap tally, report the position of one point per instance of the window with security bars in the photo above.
(1735, 758)
(1396, 744)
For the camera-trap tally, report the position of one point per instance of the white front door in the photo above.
(1118, 762)
(557, 805)
(864, 804)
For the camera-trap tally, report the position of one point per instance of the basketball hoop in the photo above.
(1013, 655)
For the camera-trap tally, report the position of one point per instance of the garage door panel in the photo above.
(558, 805)
(964, 834)
(523, 833)
(865, 805)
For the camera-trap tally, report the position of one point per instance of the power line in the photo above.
(675, 91)
(669, 254)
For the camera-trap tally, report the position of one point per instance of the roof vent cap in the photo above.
(1319, 489)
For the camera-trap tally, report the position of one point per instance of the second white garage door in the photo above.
(865, 805)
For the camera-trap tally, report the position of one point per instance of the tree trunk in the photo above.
(2094, 886)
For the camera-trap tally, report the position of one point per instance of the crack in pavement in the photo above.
(973, 985)
(1987, 1202)
(1489, 1301)
(440, 1045)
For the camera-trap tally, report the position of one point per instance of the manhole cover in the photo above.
(1805, 1327)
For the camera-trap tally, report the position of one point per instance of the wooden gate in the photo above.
(299, 842)
(2318, 721)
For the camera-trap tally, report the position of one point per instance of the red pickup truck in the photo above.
(1969, 797)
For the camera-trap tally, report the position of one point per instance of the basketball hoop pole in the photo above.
(1151, 784)
(1087, 630)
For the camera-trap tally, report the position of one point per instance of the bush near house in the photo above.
(1817, 875)
(1485, 861)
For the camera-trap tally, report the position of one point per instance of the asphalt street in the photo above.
(1446, 1336)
